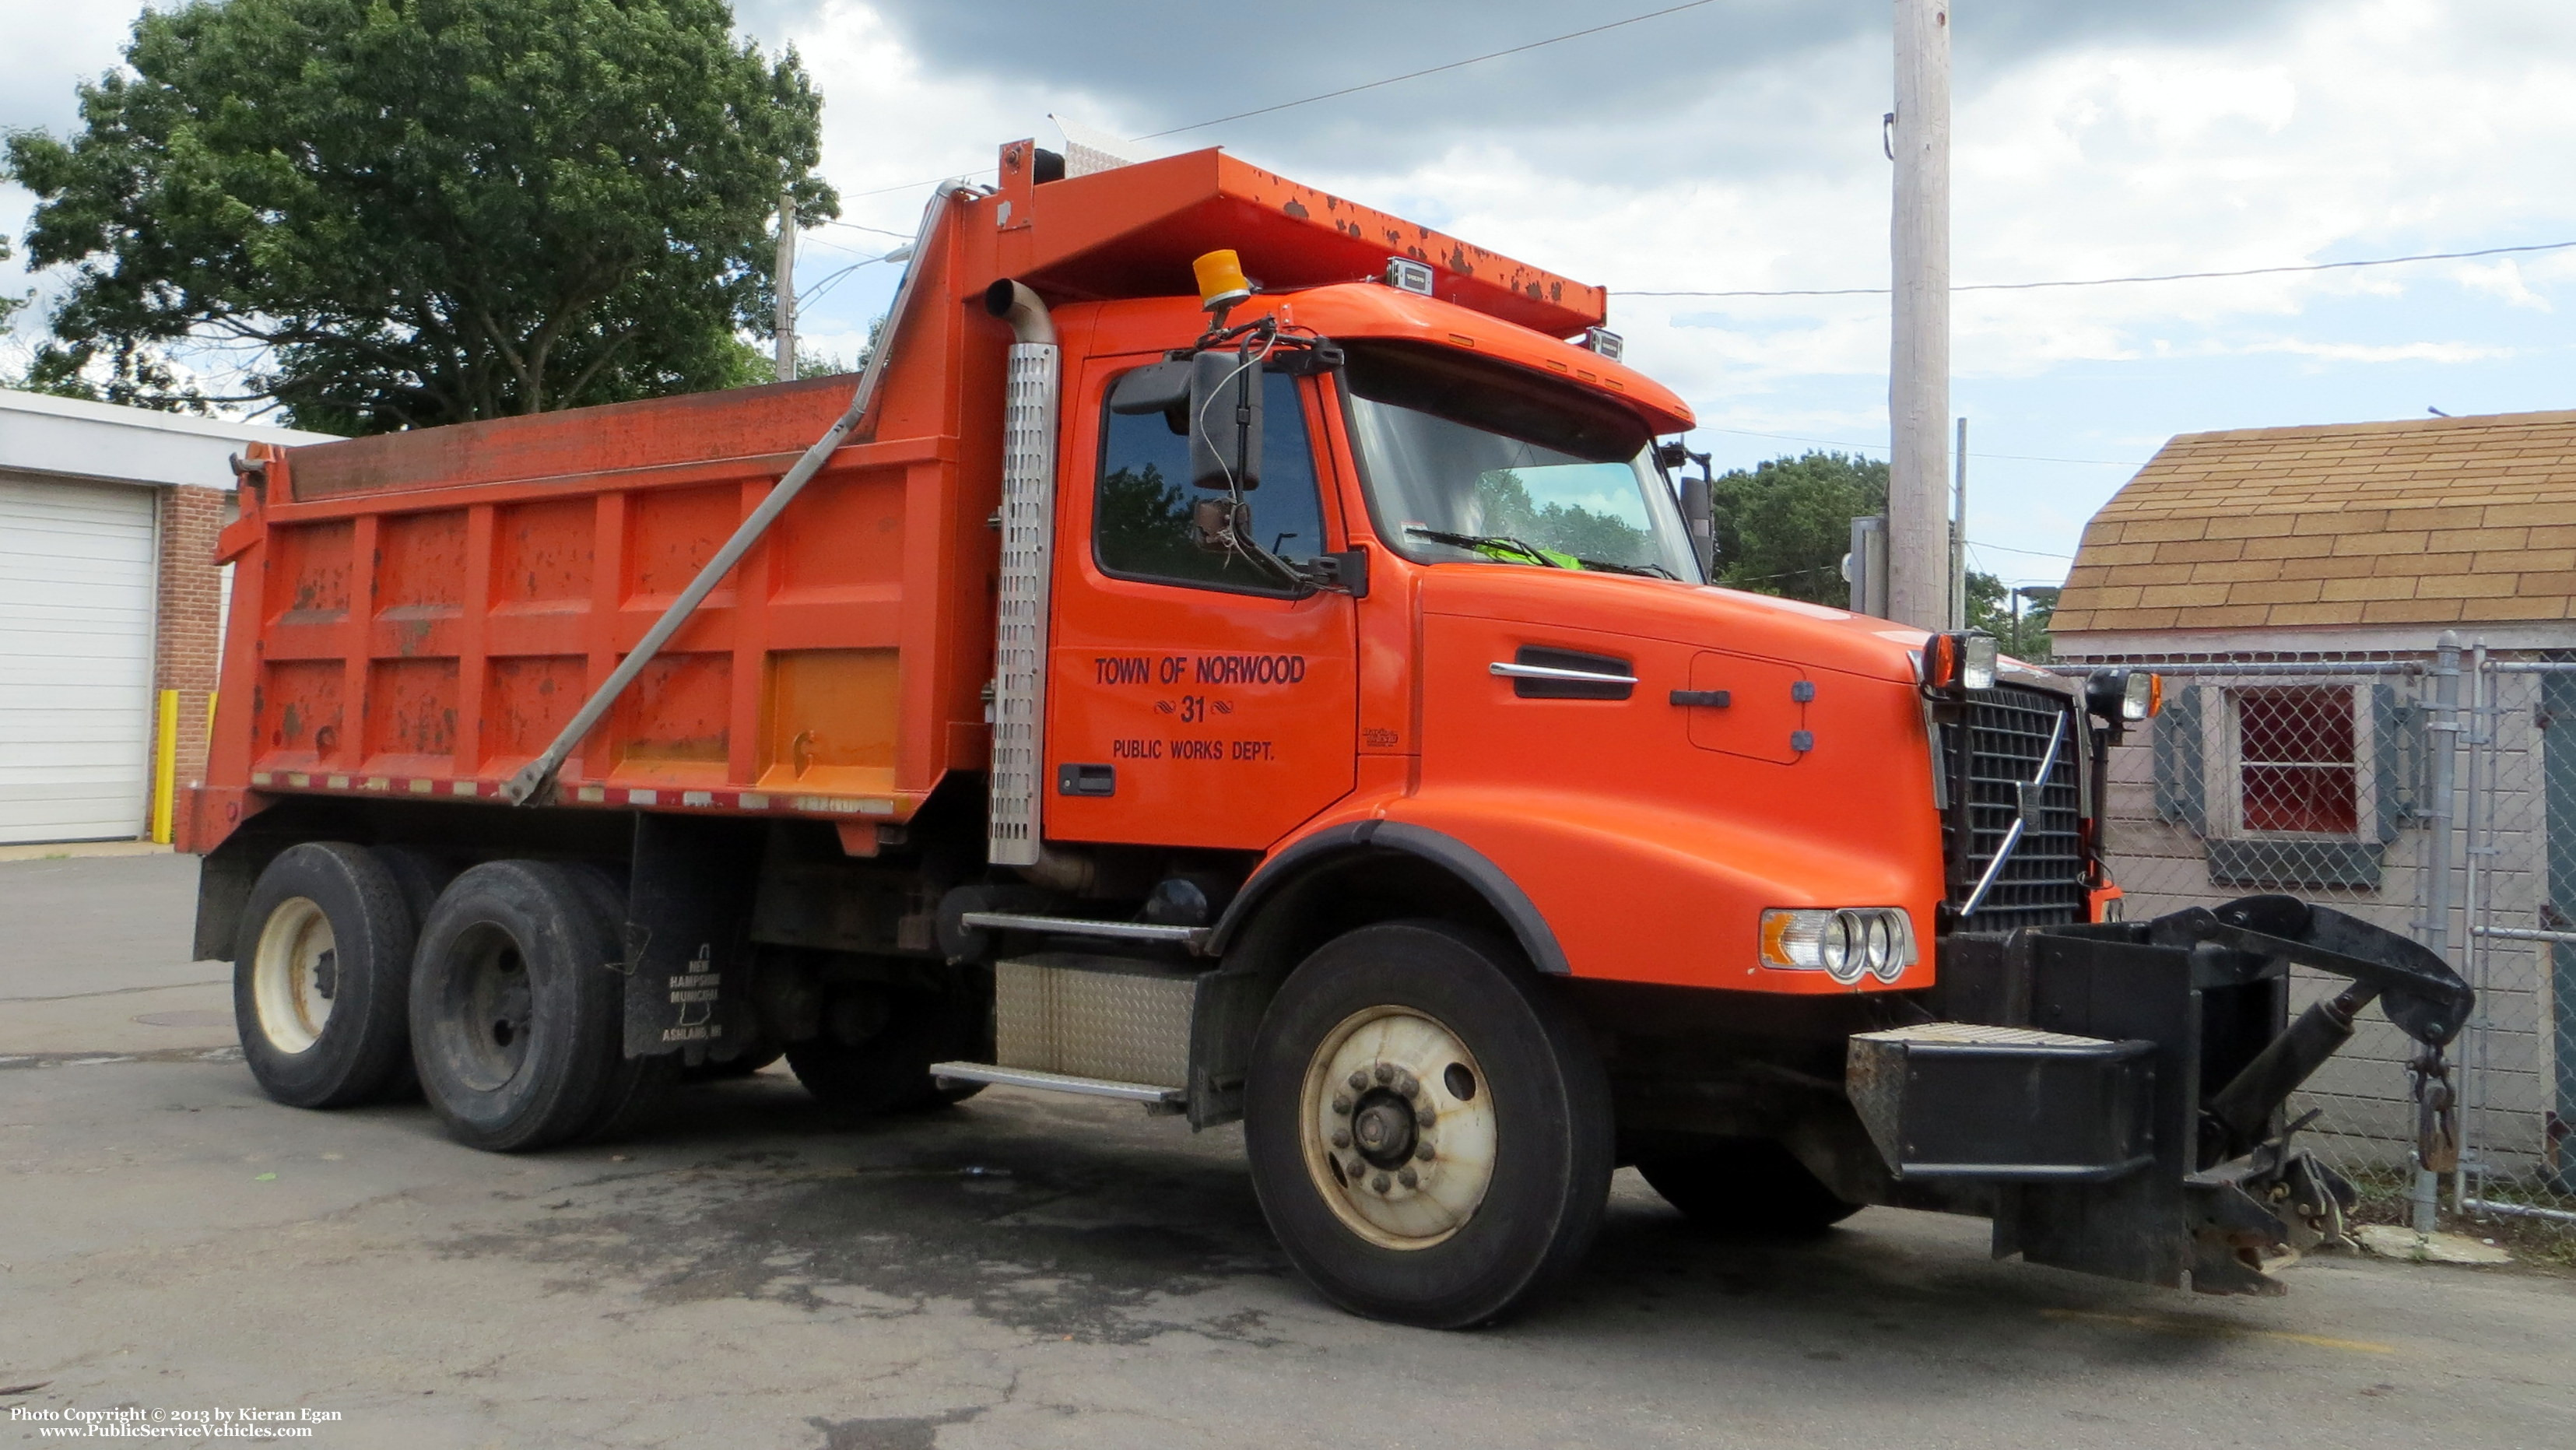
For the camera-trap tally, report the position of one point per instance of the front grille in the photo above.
(2043, 882)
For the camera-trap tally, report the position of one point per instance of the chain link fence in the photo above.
(2432, 793)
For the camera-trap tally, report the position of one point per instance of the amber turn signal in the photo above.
(2124, 696)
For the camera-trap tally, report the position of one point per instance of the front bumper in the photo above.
(2112, 1093)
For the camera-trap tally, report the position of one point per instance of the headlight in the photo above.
(1881, 945)
(1834, 947)
(1957, 662)
(1846, 945)
(2121, 696)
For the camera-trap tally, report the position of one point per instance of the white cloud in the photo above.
(2217, 137)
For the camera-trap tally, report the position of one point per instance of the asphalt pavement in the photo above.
(1028, 1271)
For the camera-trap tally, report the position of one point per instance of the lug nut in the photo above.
(1341, 1138)
(1405, 1086)
(1378, 1183)
(1383, 1073)
(1407, 1177)
(1424, 1117)
(1423, 1152)
(1359, 1080)
(1342, 1103)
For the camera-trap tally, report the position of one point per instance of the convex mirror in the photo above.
(1225, 420)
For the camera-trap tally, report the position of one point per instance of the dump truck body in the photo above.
(1300, 704)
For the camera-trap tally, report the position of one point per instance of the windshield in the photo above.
(1468, 461)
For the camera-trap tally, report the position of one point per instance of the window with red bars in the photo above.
(2297, 767)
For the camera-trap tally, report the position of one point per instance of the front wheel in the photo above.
(1745, 1186)
(1429, 1135)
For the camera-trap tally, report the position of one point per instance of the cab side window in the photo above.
(1149, 523)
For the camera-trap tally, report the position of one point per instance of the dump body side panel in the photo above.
(417, 615)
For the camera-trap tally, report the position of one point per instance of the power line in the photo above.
(880, 231)
(1366, 85)
(1430, 70)
(2006, 549)
(2114, 281)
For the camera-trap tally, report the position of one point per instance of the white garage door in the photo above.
(76, 587)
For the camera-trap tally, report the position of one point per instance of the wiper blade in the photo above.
(1649, 571)
(1481, 542)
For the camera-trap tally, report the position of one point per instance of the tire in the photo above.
(877, 1046)
(761, 1053)
(517, 1012)
(638, 1088)
(320, 977)
(420, 876)
(1519, 1134)
(1746, 1186)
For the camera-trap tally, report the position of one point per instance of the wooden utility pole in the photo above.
(786, 287)
(1959, 532)
(1918, 381)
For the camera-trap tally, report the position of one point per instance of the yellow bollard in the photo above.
(165, 767)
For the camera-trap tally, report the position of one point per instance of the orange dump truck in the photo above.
(1240, 652)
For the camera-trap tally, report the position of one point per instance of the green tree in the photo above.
(1505, 507)
(404, 212)
(1783, 526)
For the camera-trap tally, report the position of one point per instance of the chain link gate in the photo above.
(2430, 792)
(2518, 1058)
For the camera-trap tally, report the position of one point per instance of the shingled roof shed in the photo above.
(2369, 657)
(2353, 533)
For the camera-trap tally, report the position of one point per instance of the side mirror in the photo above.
(1225, 420)
(1161, 388)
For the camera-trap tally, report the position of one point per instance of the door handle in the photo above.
(1511, 671)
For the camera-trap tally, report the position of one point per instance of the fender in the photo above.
(1491, 882)
(1639, 890)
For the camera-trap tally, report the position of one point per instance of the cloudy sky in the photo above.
(1735, 145)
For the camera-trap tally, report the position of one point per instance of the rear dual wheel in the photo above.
(319, 974)
(518, 1010)
(878, 1043)
(1429, 1135)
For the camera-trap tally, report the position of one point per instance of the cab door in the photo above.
(1195, 698)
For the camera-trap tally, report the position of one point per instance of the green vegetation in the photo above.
(1784, 526)
(404, 212)
(1568, 530)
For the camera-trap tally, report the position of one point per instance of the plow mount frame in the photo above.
(2199, 1002)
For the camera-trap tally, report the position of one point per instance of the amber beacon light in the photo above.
(1221, 281)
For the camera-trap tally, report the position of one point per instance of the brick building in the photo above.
(109, 596)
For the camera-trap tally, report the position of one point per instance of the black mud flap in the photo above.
(688, 960)
(2171, 1040)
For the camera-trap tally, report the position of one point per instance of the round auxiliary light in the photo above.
(1837, 944)
(1880, 945)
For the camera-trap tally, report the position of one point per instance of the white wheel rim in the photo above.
(295, 975)
(1384, 1189)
